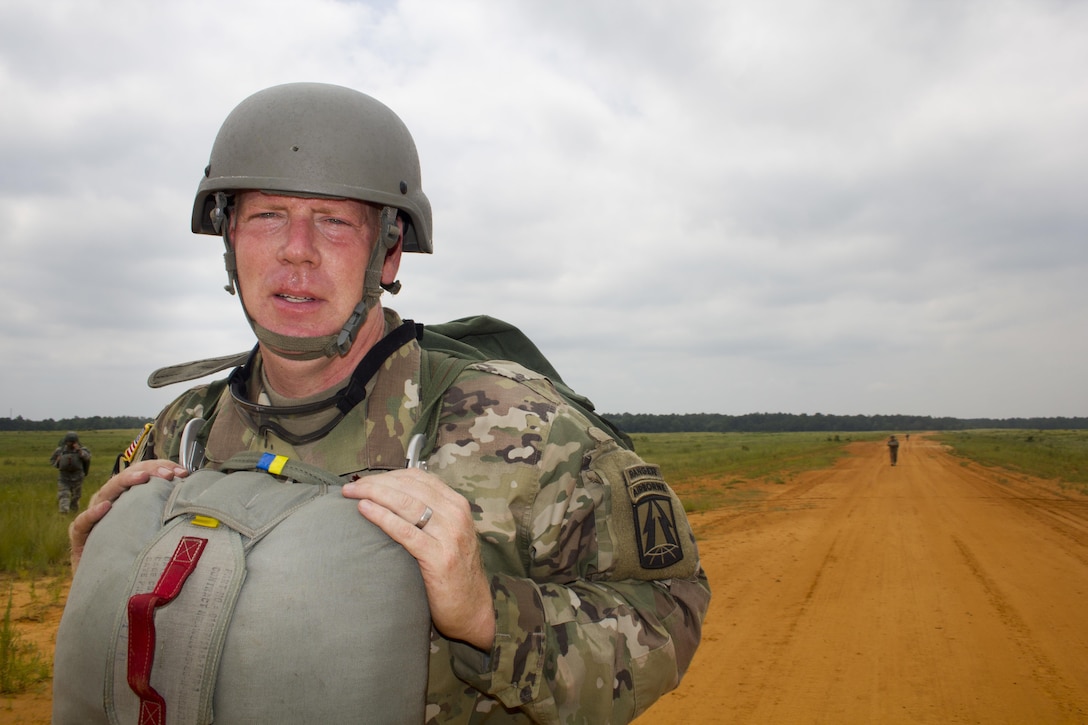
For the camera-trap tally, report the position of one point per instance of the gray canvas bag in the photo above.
(242, 596)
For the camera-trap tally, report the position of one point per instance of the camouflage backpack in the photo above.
(453, 346)
(70, 462)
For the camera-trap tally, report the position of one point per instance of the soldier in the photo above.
(74, 463)
(893, 449)
(532, 529)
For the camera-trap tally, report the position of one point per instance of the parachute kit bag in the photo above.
(253, 594)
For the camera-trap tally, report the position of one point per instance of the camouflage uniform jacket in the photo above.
(585, 632)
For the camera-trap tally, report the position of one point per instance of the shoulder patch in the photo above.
(656, 531)
(642, 530)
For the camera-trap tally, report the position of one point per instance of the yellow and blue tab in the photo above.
(272, 463)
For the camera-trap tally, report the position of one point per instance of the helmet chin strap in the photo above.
(312, 348)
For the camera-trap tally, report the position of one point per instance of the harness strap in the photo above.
(289, 468)
(437, 372)
(141, 620)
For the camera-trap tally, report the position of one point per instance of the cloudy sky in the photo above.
(697, 206)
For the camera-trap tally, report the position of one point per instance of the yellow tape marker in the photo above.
(272, 463)
(277, 464)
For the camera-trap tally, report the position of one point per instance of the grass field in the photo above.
(1060, 455)
(705, 467)
(33, 535)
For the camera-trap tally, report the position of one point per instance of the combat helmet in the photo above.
(321, 140)
(71, 437)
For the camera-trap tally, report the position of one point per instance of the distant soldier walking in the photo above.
(893, 448)
(74, 462)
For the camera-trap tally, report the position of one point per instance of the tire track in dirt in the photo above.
(1044, 670)
(1062, 512)
(1059, 519)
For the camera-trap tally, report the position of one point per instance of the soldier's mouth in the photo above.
(294, 298)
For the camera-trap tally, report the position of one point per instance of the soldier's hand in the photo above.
(444, 543)
(111, 490)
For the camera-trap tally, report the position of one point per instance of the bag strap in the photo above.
(437, 372)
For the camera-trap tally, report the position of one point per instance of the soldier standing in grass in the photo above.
(893, 449)
(559, 568)
(74, 462)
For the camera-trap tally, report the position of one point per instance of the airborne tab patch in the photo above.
(655, 521)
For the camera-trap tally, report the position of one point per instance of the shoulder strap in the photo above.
(437, 372)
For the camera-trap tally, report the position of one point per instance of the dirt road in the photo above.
(931, 592)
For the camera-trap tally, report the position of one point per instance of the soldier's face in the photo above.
(301, 262)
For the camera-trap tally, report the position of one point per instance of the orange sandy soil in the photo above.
(932, 592)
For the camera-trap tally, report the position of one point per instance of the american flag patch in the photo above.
(135, 445)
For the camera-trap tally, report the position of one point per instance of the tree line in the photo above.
(95, 422)
(798, 423)
(677, 423)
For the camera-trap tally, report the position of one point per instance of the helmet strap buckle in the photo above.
(221, 223)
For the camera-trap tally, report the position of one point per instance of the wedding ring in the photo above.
(427, 514)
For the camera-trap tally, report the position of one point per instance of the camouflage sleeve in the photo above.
(599, 597)
(587, 652)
